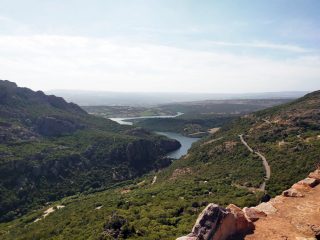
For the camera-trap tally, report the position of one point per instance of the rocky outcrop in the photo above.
(298, 188)
(308, 182)
(253, 214)
(292, 216)
(217, 223)
(292, 193)
(297, 213)
(315, 175)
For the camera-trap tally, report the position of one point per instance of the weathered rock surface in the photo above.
(242, 224)
(296, 218)
(292, 193)
(315, 175)
(267, 208)
(311, 182)
(253, 214)
(286, 217)
(217, 223)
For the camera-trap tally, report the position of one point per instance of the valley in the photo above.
(160, 120)
(163, 201)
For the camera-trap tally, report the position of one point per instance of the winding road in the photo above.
(264, 161)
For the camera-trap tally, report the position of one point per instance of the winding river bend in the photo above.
(126, 120)
(185, 142)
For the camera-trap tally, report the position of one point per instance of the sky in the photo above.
(229, 46)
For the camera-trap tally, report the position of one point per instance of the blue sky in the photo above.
(161, 45)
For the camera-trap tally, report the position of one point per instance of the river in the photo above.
(126, 120)
(185, 142)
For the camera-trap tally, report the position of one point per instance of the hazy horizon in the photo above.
(161, 46)
(96, 98)
(179, 92)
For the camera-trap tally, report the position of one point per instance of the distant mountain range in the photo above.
(92, 98)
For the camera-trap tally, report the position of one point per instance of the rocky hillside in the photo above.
(223, 168)
(50, 149)
(291, 216)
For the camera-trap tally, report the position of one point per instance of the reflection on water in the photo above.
(126, 121)
(186, 143)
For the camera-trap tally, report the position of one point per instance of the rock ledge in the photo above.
(293, 215)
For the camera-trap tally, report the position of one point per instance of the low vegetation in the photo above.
(126, 111)
(191, 125)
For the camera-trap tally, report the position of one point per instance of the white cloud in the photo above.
(265, 45)
(51, 62)
(9, 25)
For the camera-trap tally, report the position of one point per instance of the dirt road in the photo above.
(264, 161)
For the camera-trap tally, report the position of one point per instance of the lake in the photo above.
(185, 142)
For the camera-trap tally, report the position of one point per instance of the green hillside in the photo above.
(50, 149)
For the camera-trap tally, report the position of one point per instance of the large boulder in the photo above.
(253, 214)
(217, 223)
(315, 175)
(292, 193)
(267, 208)
(305, 184)
(242, 224)
(311, 182)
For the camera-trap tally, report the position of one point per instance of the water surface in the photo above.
(185, 142)
(126, 120)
